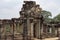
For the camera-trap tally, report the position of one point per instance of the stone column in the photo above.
(36, 30)
(44, 30)
(14, 28)
(21, 28)
(3, 31)
(32, 29)
(11, 28)
(17, 27)
(53, 30)
(29, 27)
(25, 30)
(59, 33)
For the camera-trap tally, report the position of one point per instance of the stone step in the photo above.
(47, 35)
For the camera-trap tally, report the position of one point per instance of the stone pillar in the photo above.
(14, 28)
(56, 31)
(17, 27)
(59, 33)
(21, 29)
(50, 30)
(32, 29)
(25, 30)
(36, 30)
(29, 27)
(3, 30)
(44, 31)
(53, 30)
(39, 29)
(11, 28)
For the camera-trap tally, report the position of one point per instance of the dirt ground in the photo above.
(56, 38)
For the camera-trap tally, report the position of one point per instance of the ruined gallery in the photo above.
(29, 25)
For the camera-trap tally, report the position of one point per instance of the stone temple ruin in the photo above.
(28, 26)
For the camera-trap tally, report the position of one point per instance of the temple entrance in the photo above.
(34, 30)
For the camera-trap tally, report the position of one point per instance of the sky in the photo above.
(10, 8)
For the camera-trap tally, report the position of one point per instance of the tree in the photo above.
(57, 18)
(46, 15)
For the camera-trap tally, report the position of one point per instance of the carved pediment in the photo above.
(30, 9)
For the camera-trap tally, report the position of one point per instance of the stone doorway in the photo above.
(34, 30)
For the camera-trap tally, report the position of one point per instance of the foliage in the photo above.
(57, 18)
(46, 15)
(7, 28)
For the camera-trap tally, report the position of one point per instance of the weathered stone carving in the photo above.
(28, 26)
